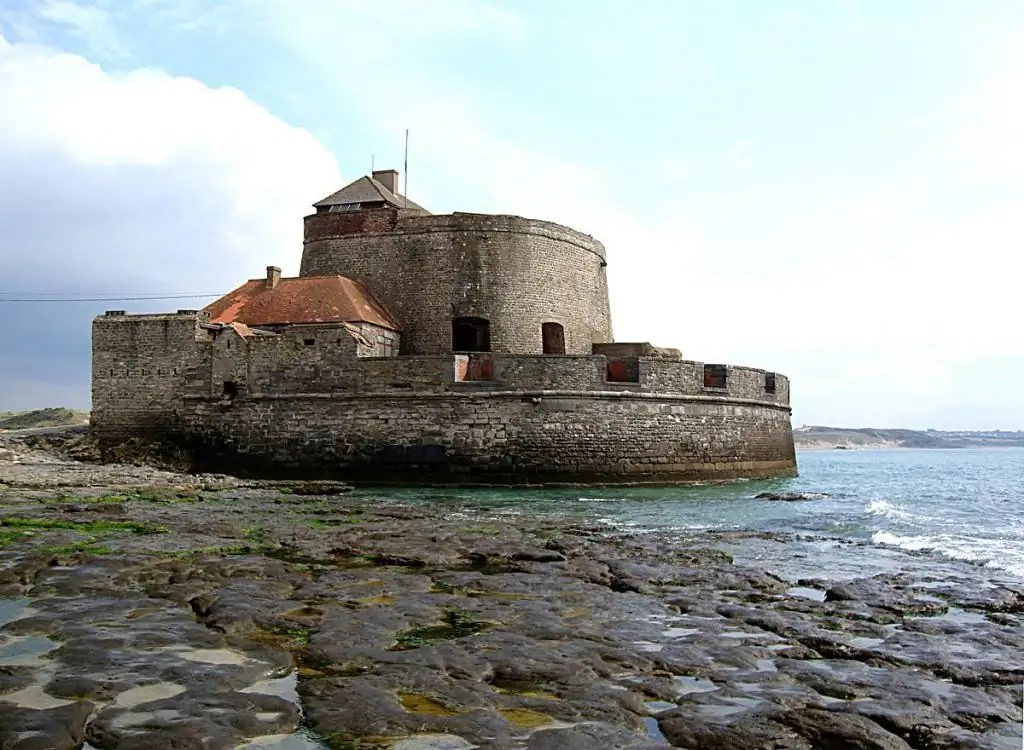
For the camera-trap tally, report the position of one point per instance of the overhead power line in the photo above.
(140, 298)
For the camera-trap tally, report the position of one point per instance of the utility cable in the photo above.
(104, 299)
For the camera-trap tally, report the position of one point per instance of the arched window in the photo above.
(471, 335)
(553, 336)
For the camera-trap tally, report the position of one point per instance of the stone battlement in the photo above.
(516, 273)
(309, 400)
(202, 361)
(318, 372)
(320, 226)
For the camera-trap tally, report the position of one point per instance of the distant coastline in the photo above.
(848, 438)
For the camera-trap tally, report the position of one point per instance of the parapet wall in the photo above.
(517, 273)
(311, 403)
(141, 368)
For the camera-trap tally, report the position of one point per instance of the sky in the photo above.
(831, 190)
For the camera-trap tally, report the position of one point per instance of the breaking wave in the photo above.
(888, 510)
(1001, 554)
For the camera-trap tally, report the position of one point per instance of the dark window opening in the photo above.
(471, 335)
(769, 382)
(626, 370)
(715, 376)
(308, 342)
(230, 389)
(553, 336)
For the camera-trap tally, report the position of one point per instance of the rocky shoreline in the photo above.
(144, 608)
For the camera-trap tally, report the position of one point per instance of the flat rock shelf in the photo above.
(148, 610)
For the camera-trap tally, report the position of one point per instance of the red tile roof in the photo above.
(301, 300)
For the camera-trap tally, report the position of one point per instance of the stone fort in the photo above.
(463, 347)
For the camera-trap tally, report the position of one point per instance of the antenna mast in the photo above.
(405, 197)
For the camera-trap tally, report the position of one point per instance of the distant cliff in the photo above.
(49, 417)
(823, 438)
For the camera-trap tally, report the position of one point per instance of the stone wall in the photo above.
(517, 273)
(141, 368)
(497, 437)
(310, 399)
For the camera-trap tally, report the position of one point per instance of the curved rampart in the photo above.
(517, 273)
(314, 406)
(538, 420)
(502, 437)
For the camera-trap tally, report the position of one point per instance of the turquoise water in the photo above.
(926, 510)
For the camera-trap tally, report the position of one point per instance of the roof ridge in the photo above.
(367, 189)
(382, 191)
(331, 297)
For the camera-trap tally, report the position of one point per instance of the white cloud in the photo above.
(93, 24)
(833, 281)
(134, 183)
(873, 294)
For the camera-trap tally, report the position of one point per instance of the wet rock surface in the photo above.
(791, 497)
(145, 609)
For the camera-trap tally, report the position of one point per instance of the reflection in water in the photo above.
(301, 739)
(686, 685)
(14, 609)
(33, 697)
(654, 732)
(807, 592)
(25, 650)
(137, 696)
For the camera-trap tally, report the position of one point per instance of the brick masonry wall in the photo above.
(327, 224)
(518, 273)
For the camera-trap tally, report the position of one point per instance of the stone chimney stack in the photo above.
(273, 276)
(388, 178)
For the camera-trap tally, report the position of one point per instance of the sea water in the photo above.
(929, 510)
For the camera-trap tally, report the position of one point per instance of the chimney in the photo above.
(273, 276)
(388, 178)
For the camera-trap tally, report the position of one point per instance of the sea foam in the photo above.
(888, 510)
(1001, 554)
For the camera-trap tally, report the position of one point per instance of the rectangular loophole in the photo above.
(715, 376)
(623, 370)
(471, 335)
(769, 382)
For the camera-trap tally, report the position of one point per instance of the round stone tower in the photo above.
(463, 282)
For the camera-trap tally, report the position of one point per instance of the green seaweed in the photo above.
(84, 527)
(455, 623)
(226, 550)
(344, 741)
(258, 534)
(158, 495)
(163, 496)
(291, 638)
(317, 523)
(11, 537)
(89, 547)
(443, 587)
